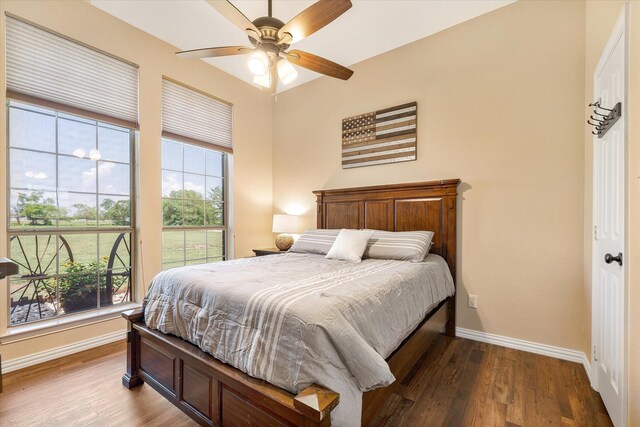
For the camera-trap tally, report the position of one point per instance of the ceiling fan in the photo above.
(271, 39)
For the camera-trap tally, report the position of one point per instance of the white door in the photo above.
(609, 237)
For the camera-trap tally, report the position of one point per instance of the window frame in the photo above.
(225, 228)
(56, 230)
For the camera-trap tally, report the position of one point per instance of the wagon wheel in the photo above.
(116, 280)
(37, 263)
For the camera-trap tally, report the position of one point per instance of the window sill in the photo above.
(64, 323)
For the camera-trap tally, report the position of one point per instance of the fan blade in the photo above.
(229, 11)
(211, 52)
(318, 64)
(311, 20)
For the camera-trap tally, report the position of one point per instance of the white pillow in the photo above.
(350, 245)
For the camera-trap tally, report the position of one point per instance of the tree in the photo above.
(184, 207)
(214, 208)
(36, 208)
(116, 212)
(106, 205)
(171, 212)
(216, 195)
(18, 208)
(84, 212)
(187, 207)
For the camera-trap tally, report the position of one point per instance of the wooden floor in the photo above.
(458, 383)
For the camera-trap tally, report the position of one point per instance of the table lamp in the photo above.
(285, 225)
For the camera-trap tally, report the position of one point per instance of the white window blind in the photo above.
(195, 117)
(46, 68)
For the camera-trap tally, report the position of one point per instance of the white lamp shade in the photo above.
(283, 223)
(286, 71)
(258, 63)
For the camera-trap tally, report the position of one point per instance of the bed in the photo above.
(215, 393)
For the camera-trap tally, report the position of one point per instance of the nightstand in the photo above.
(268, 251)
(7, 268)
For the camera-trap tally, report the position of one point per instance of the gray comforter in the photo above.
(298, 319)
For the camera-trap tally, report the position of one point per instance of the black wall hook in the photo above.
(595, 119)
(605, 109)
(603, 125)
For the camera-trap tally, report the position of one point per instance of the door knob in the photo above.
(608, 258)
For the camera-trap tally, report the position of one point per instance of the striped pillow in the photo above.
(315, 242)
(400, 245)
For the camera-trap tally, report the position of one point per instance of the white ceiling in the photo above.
(369, 28)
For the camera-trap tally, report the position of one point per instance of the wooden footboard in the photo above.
(211, 392)
(216, 394)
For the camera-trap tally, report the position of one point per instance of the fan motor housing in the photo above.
(269, 27)
(268, 21)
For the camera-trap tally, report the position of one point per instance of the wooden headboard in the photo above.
(396, 207)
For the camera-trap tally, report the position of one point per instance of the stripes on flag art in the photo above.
(385, 136)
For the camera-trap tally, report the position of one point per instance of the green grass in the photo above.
(197, 246)
(26, 225)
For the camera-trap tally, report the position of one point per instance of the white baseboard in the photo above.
(55, 353)
(528, 346)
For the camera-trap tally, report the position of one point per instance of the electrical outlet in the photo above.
(473, 301)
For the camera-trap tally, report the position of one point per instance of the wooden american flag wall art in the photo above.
(384, 136)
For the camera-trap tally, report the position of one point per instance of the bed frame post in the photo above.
(451, 317)
(451, 257)
(316, 403)
(130, 379)
(320, 209)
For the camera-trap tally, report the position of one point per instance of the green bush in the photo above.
(78, 286)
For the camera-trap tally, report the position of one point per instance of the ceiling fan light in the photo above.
(264, 81)
(286, 71)
(258, 63)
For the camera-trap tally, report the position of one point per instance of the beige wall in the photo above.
(500, 106)
(252, 186)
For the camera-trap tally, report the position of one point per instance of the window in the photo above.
(70, 222)
(196, 149)
(72, 115)
(193, 204)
